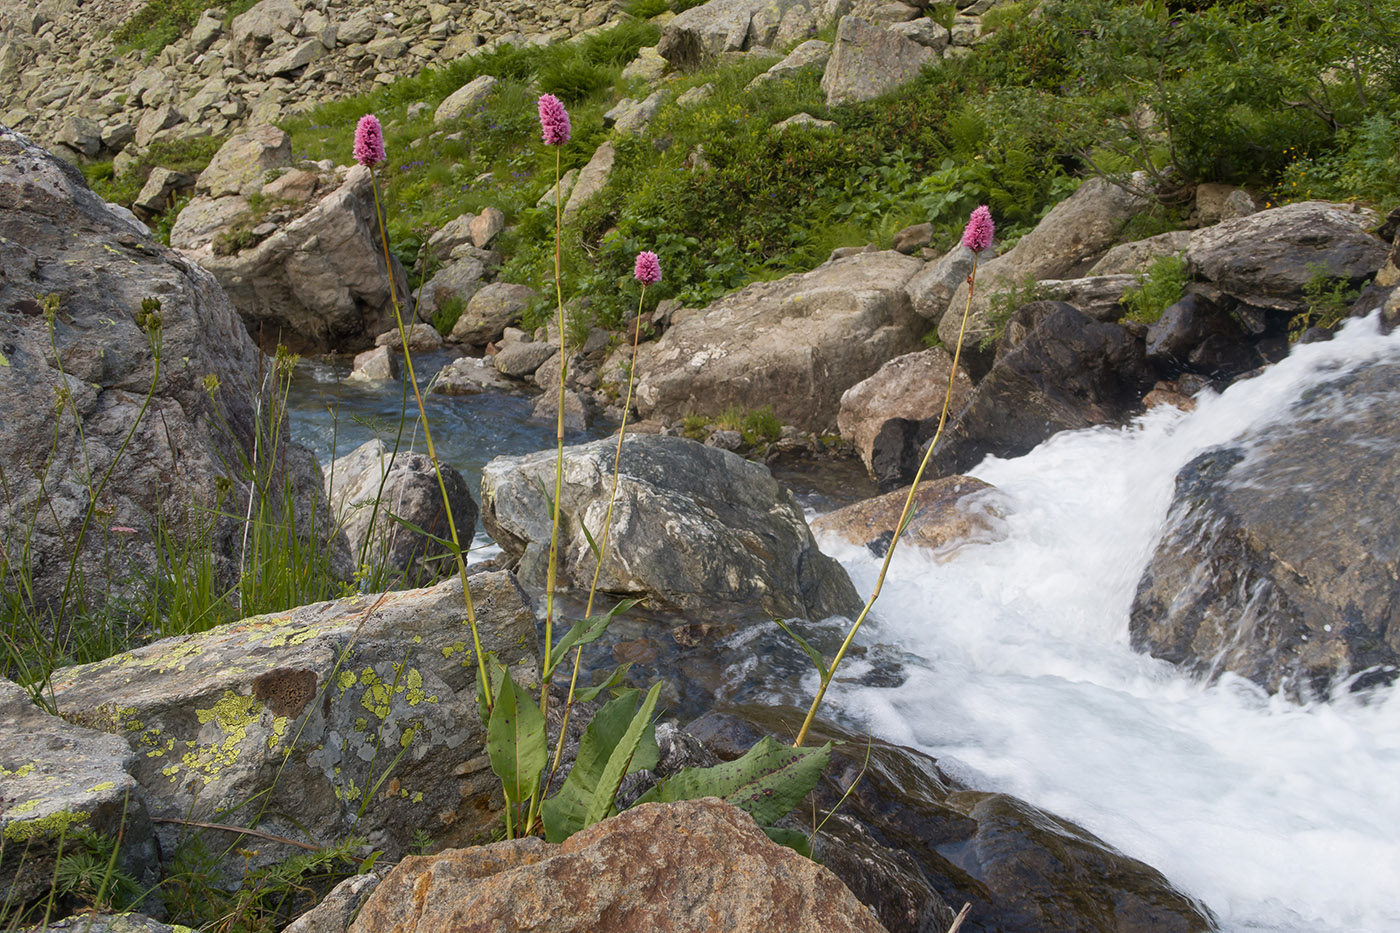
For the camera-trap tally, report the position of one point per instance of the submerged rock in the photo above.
(1282, 551)
(357, 717)
(691, 867)
(949, 514)
(694, 527)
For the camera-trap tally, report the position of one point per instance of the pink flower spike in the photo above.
(554, 120)
(978, 234)
(369, 141)
(648, 268)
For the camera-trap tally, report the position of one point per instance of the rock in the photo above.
(866, 61)
(468, 376)
(703, 32)
(1069, 239)
(1216, 202)
(154, 121)
(294, 59)
(377, 365)
(491, 310)
(563, 188)
(625, 873)
(919, 832)
(693, 527)
(1097, 296)
(933, 286)
(807, 120)
(372, 485)
(451, 235)
(591, 180)
(911, 386)
(1065, 371)
(421, 337)
(575, 412)
(1197, 335)
(55, 778)
(486, 226)
(811, 54)
(1279, 559)
(1139, 254)
(81, 135)
(317, 284)
(203, 219)
(161, 187)
(58, 238)
(1388, 275)
(304, 711)
(696, 95)
(206, 30)
(466, 99)
(337, 910)
(924, 31)
(1265, 259)
(913, 238)
(253, 31)
(950, 514)
(241, 164)
(297, 186)
(520, 360)
(631, 117)
(108, 923)
(648, 65)
(795, 344)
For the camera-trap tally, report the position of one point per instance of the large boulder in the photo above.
(241, 164)
(1065, 371)
(694, 527)
(1065, 244)
(1279, 561)
(491, 310)
(902, 828)
(317, 284)
(866, 61)
(703, 32)
(795, 344)
(356, 717)
(93, 266)
(691, 867)
(910, 386)
(57, 778)
(372, 487)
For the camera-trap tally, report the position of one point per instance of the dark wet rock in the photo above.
(1197, 335)
(1279, 561)
(1022, 869)
(693, 527)
(1055, 370)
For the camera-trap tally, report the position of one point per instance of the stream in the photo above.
(1019, 676)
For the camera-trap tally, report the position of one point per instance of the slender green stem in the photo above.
(903, 520)
(432, 452)
(607, 533)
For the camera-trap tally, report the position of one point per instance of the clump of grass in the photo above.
(448, 313)
(1157, 289)
(161, 22)
(1329, 301)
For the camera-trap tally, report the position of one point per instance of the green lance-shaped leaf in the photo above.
(515, 741)
(794, 839)
(589, 694)
(812, 653)
(497, 671)
(620, 739)
(767, 782)
(585, 631)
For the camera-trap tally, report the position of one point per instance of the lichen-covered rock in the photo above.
(370, 487)
(110, 923)
(241, 164)
(866, 61)
(795, 344)
(92, 265)
(693, 527)
(491, 310)
(1279, 561)
(56, 778)
(691, 867)
(356, 717)
(703, 32)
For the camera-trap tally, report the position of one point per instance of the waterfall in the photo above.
(1280, 816)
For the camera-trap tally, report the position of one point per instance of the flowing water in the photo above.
(1021, 678)
(1279, 816)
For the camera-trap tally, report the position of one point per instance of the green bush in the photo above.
(1157, 289)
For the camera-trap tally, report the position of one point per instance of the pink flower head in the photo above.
(648, 268)
(369, 141)
(978, 234)
(554, 120)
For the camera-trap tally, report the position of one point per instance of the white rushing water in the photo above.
(1278, 816)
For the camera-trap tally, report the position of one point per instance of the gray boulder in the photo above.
(491, 310)
(795, 344)
(866, 61)
(371, 486)
(693, 527)
(356, 717)
(1279, 560)
(465, 99)
(318, 283)
(59, 239)
(57, 778)
(469, 375)
(592, 179)
(241, 164)
(520, 360)
(703, 32)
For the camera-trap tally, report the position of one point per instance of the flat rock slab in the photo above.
(950, 514)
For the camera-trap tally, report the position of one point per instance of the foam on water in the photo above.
(1279, 816)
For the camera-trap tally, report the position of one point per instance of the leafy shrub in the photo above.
(447, 314)
(1329, 301)
(1157, 289)
(1003, 303)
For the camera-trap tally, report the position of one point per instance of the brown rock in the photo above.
(949, 514)
(699, 866)
(909, 386)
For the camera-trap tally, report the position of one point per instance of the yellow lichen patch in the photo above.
(19, 772)
(345, 681)
(23, 808)
(376, 700)
(415, 687)
(279, 729)
(44, 827)
(418, 796)
(232, 714)
(99, 788)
